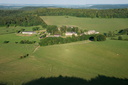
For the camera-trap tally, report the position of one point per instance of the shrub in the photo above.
(120, 38)
(6, 41)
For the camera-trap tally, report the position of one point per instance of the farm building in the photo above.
(70, 33)
(91, 32)
(54, 35)
(29, 33)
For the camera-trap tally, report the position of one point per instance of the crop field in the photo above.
(99, 24)
(82, 59)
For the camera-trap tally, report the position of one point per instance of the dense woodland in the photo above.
(93, 13)
(31, 17)
(19, 18)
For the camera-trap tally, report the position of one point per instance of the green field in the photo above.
(80, 59)
(99, 24)
(12, 29)
(17, 38)
(83, 59)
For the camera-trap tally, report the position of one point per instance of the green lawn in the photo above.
(78, 59)
(99, 24)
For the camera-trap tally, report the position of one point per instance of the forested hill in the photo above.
(109, 6)
(93, 13)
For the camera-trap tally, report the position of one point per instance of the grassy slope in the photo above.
(80, 59)
(12, 68)
(98, 24)
(86, 60)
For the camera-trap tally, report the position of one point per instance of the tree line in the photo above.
(59, 40)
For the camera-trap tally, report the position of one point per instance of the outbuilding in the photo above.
(29, 33)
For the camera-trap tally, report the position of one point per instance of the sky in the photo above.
(74, 2)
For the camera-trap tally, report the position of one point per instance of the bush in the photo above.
(16, 42)
(27, 42)
(24, 56)
(98, 37)
(113, 38)
(6, 41)
(120, 38)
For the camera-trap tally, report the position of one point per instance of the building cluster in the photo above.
(90, 32)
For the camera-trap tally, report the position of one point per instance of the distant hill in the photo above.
(2, 7)
(31, 7)
(88, 6)
(109, 6)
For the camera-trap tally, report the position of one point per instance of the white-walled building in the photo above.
(29, 33)
(91, 32)
(70, 33)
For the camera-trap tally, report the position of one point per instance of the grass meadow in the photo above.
(83, 59)
(99, 24)
(12, 38)
(12, 29)
(79, 59)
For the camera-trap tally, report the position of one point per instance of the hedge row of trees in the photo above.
(22, 42)
(27, 42)
(59, 40)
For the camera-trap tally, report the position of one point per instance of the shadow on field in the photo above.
(100, 80)
(3, 84)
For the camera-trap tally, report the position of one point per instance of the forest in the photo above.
(93, 13)
(31, 17)
(19, 18)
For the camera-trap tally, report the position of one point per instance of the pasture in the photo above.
(83, 59)
(17, 37)
(99, 24)
(12, 29)
(79, 59)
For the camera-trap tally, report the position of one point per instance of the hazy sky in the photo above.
(64, 1)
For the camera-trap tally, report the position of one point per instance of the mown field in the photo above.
(80, 59)
(99, 24)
